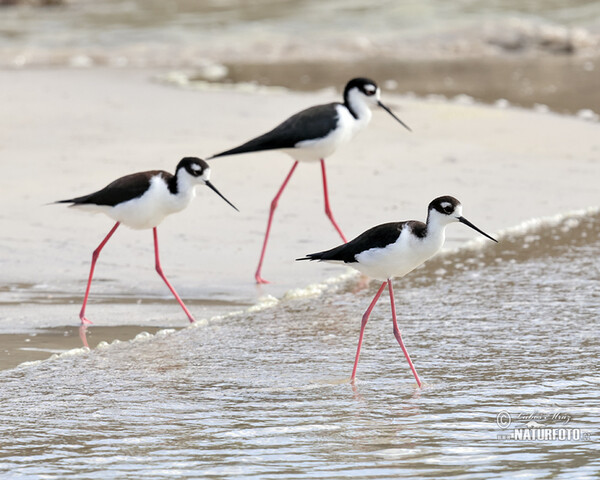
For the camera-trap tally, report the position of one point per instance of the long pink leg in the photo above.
(399, 337)
(363, 324)
(162, 275)
(95, 256)
(274, 203)
(327, 207)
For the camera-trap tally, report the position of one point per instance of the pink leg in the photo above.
(162, 275)
(95, 256)
(399, 337)
(274, 203)
(327, 207)
(363, 324)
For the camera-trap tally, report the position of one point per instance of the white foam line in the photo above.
(140, 337)
(69, 353)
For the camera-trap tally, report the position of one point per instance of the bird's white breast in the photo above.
(399, 258)
(347, 127)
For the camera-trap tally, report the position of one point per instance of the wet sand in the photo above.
(67, 132)
(562, 83)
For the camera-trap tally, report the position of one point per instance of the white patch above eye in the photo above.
(370, 88)
(445, 205)
(195, 167)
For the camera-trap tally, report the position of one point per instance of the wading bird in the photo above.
(142, 200)
(393, 250)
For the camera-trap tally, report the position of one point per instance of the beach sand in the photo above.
(67, 132)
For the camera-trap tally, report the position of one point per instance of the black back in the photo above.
(312, 123)
(123, 189)
(377, 237)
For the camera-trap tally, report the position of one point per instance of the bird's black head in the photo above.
(200, 172)
(365, 90)
(445, 205)
(196, 167)
(366, 86)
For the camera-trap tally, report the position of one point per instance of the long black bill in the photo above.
(469, 224)
(214, 189)
(393, 115)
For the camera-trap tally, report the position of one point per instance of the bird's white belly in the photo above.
(320, 148)
(397, 259)
(139, 213)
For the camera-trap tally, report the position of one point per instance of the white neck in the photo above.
(186, 185)
(358, 105)
(436, 226)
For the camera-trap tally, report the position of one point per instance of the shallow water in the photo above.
(509, 327)
(133, 32)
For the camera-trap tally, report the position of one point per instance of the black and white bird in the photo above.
(393, 250)
(313, 135)
(143, 200)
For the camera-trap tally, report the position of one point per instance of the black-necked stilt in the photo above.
(394, 249)
(312, 135)
(142, 200)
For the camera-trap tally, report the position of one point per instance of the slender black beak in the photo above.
(393, 115)
(214, 189)
(469, 224)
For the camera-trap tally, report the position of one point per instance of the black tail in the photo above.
(58, 201)
(278, 138)
(337, 254)
(343, 253)
(255, 145)
(233, 151)
(75, 201)
(311, 257)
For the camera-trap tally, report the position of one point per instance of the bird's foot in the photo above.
(259, 279)
(83, 335)
(84, 320)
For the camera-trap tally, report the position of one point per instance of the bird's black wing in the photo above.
(376, 237)
(314, 122)
(121, 190)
